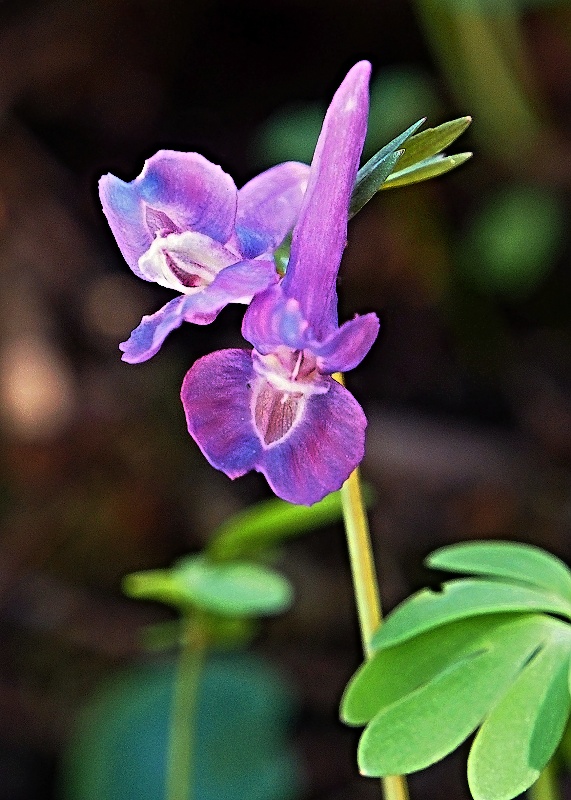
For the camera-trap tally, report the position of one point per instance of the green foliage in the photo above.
(484, 652)
(419, 159)
(514, 239)
(237, 588)
(248, 533)
(119, 748)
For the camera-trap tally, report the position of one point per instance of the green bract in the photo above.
(483, 652)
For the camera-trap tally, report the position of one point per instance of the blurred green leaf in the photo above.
(522, 731)
(432, 141)
(460, 599)
(514, 239)
(119, 748)
(512, 560)
(427, 724)
(266, 524)
(429, 168)
(236, 588)
(290, 133)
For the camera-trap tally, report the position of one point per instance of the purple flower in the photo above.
(277, 409)
(182, 224)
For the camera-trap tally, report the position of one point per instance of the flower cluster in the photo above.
(183, 224)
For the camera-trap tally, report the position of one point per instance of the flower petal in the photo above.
(320, 234)
(216, 401)
(237, 283)
(313, 459)
(321, 451)
(186, 188)
(268, 207)
(272, 320)
(150, 333)
(348, 345)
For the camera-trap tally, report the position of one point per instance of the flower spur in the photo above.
(183, 224)
(276, 409)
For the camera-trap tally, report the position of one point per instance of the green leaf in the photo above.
(430, 722)
(520, 562)
(395, 672)
(429, 168)
(460, 599)
(372, 175)
(237, 588)
(522, 731)
(268, 523)
(431, 141)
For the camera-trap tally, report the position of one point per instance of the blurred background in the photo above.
(468, 389)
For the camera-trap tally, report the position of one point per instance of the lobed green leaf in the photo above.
(460, 599)
(425, 725)
(511, 560)
(522, 731)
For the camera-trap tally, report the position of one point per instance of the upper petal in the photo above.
(268, 207)
(193, 193)
(272, 320)
(348, 345)
(320, 233)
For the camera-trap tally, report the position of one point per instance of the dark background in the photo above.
(468, 388)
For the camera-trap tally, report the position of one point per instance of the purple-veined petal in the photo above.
(319, 236)
(347, 346)
(272, 320)
(315, 456)
(185, 188)
(321, 451)
(216, 398)
(237, 283)
(268, 207)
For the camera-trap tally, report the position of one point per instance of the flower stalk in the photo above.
(180, 776)
(366, 588)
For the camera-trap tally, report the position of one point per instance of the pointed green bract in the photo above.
(432, 141)
(373, 174)
(519, 562)
(427, 724)
(460, 599)
(429, 168)
(237, 588)
(392, 674)
(521, 733)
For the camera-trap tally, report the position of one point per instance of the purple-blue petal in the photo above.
(268, 207)
(319, 236)
(348, 345)
(237, 283)
(185, 189)
(272, 320)
(321, 451)
(216, 401)
(150, 333)
(315, 458)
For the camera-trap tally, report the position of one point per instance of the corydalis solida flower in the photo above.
(276, 409)
(183, 224)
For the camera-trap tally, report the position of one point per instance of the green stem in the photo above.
(180, 764)
(545, 787)
(366, 588)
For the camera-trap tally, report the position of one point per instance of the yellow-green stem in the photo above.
(545, 787)
(181, 748)
(366, 587)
